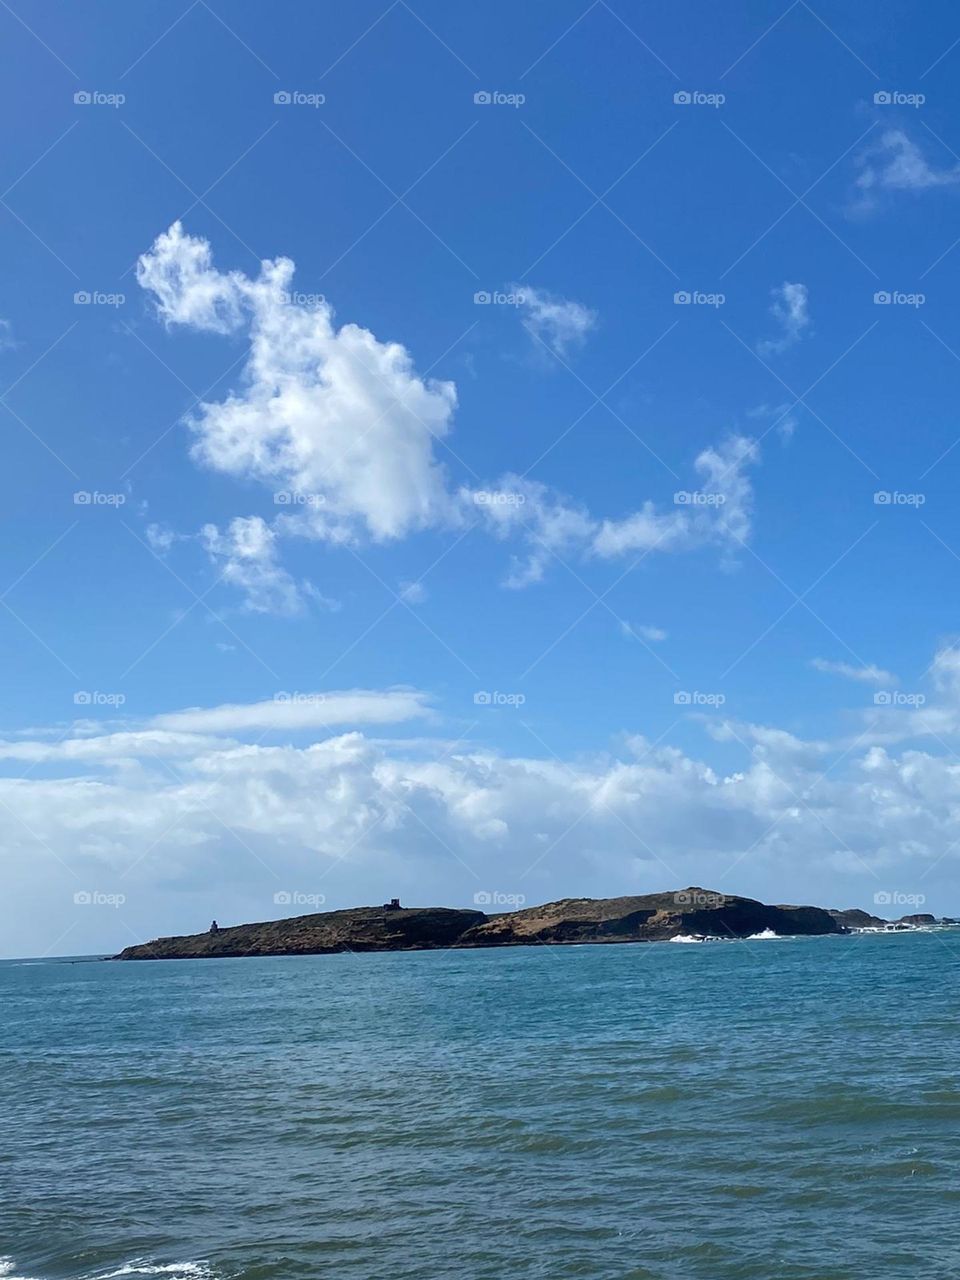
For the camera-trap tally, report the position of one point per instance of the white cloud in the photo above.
(559, 323)
(7, 340)
(719, 510)
(867, 674)
(189, 822)
(343, 430)
(297, 711)
(790, 310)
(896, 163)
(246, 554)
(331, 415)
(412, 592)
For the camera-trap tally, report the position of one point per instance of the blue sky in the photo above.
(351, 481)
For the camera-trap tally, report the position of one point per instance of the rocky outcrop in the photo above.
(651, 917)
(355, 929)
(856, 919)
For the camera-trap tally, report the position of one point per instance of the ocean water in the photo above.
(778, 1108)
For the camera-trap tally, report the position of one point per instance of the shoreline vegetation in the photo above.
(688, 915)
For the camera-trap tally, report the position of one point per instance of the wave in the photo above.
(176, 1270)
(763, 936)
(136, 1268)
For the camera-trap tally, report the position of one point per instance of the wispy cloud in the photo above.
(790, 309)
(560, 323)
(867, 674)
(896, 163)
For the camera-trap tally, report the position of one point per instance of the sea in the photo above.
(767, 1108)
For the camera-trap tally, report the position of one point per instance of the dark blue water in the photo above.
(764, 1109)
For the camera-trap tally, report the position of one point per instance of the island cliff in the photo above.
(654, 917)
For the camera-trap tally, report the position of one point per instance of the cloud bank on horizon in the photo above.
(197, 801)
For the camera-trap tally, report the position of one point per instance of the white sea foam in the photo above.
(763, 936)
(137, 1267)
(7, 1272)
(177, 1270)
(685, 937)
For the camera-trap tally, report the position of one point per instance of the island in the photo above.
(691, 914)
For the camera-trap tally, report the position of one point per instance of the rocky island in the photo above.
(656, 917)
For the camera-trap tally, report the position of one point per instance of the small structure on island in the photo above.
(392, 905)
(214, 927)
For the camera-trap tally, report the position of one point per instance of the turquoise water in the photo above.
(787, 1108)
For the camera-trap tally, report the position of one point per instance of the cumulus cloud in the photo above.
(331, 415)
(790, 310)
(344, 431)
(869, 674)
(557, 322)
